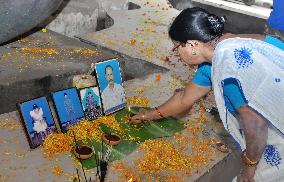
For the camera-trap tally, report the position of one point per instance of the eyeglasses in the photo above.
(174, 49)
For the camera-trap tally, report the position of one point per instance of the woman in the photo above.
(247, 79)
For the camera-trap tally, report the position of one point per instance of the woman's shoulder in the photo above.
(241, 50)
(235, 47)
(236, 42)
(229, 38)
(250, 36)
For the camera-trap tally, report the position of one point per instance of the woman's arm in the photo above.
(180, 102)
(256, 131)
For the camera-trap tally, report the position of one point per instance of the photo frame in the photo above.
(91, 102)
(68, 107)
(37, 120)
(110, 86)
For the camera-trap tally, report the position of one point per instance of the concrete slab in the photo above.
(141, 34)
(45, 62)
(18, 162)
(42, 63)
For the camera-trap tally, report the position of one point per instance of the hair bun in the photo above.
(216, 24)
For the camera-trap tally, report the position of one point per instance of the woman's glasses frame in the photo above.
(176, 46)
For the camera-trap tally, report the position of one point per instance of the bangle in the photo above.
(160, 114)
(247, 161)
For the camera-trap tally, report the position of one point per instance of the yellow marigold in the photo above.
(158, 77)
(126, 172)
(138, 101)
(86, 51)
(57, 143)
(161, 155)
(132, 41)
(57, 170)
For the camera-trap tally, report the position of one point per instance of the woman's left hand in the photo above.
(246, 174)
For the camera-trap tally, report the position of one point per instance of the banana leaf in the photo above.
(158, 129)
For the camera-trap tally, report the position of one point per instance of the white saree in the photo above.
(259, 68)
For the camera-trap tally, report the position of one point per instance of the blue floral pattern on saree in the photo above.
(277, 80)
(243, 57)
(272, 156)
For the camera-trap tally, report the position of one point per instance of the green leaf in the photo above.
(157, 129)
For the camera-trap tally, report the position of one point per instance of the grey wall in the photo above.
(84, 16)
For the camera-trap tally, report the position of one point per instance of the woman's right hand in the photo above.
(142, 116)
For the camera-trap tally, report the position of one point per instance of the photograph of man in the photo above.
(69, 107)
(110, 83)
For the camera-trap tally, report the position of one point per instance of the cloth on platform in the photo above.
(259, 68)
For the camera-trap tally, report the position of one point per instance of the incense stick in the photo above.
(98, 164)
(76, 145)
(78, 174)
(102, 150)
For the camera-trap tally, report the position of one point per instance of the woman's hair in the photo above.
(196, 24)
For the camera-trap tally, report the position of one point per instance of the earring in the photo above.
(193, 52)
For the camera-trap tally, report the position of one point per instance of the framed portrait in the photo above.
(91, 102)
(68, 107)
(37, 120)
(110, 86)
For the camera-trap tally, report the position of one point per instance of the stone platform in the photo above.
(45, 62)
(141, 34)
(42, 63)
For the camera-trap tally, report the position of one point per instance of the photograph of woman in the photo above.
(37, 120)
(91, 102)
(39, 124)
